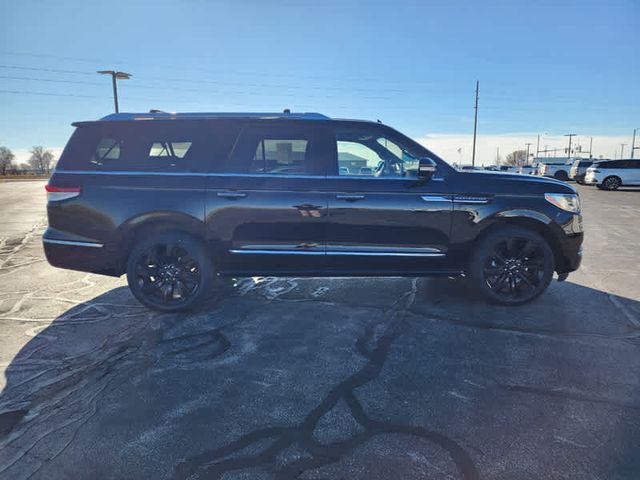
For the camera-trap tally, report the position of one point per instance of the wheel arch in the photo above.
(531, 220)
(151, 223)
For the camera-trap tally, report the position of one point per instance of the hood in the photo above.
(507, 182)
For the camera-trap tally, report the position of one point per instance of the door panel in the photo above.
(382, 217)
(267, 213)
(388, 225)
(266, 224)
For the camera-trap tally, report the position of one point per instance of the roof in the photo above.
(205, 115)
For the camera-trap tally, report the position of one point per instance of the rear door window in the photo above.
(291, 149)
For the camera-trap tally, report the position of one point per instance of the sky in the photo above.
(545, 67)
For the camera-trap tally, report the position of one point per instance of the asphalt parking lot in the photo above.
(321, 378)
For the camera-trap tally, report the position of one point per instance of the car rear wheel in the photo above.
(512, 266)
(170, 272)
(611, 183)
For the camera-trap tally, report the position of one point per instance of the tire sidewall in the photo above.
(611, 178)
(487, 245)
(190, 244)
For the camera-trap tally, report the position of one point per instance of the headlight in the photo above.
(569, 202)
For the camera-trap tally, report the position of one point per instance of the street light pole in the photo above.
(622, 145)
(115, 75)
(633, 142)
(570, 135)
(475, 124)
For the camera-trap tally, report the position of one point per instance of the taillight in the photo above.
(55, 194)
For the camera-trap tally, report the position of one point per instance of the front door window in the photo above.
(364, 153)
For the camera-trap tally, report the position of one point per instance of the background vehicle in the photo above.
(527, 170)
(579, 169)
(178, 198)
(613, 174)
(558, 169)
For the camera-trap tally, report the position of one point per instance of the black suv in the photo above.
(174, 200)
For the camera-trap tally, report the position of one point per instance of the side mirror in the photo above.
(426, 168)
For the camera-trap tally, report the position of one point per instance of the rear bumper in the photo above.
(77, 253)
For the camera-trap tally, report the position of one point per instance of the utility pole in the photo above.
(570, 135)
(538, 147)
(590, 147)
(633, 142)
(622, 145)
(527, 159)
(115, 76)
(498, 156)
(475, 125)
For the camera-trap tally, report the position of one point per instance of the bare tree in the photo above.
(519, 157)
(41, 159)
(6, 160)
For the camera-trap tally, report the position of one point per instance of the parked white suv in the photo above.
(612, 174)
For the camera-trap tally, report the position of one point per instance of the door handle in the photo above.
(231, 195)
(349, 197)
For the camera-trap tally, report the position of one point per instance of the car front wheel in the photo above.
(170, 272)
(512, 266)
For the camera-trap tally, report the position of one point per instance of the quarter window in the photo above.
(107, 149)
(169, 149)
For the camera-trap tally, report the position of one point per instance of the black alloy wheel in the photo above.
(512, 266)
(611, 183)
(169, 272)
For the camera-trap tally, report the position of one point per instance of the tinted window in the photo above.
(292, 149)
(585, 163)
(285, 156)
(368, 151)
(634, 164)
(183, 146)
(613, 164)
(106, 150)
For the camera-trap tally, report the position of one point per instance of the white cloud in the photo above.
(446, 145)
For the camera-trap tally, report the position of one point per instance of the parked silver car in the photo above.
(579, 169)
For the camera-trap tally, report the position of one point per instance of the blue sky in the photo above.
(543, 66)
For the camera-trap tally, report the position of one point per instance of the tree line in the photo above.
(40, 162)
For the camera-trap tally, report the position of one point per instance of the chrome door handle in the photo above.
(349, 197)
(231, 195)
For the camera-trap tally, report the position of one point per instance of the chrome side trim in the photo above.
(337, 253)
(75, 244)
(435, 198)
(474, 200)
(386, 254)
(257, 251)
(380, 250)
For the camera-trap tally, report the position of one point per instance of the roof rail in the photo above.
(160, 115)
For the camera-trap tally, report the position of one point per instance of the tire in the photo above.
(611, 183)
(511, 266)
(561, 175)
(170, 272)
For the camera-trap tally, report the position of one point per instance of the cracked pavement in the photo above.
(321, 378)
